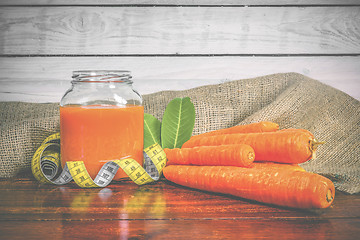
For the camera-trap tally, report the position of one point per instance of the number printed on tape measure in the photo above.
(46, 166)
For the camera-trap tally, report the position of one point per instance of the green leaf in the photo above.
(151, 130)
(177, 123)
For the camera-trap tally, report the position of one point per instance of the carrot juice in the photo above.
(97, 134)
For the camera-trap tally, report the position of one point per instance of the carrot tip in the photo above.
(329, 196)
(315, 144)
(251, 156)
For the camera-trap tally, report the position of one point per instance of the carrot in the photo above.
(281, 186)
(285, 166)
(314, 142)
(240, 155)
(297, 130)
(281, 146)
(263, 126)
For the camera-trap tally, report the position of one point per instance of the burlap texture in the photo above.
(290, 99)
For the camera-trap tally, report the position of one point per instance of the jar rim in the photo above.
(102, 76)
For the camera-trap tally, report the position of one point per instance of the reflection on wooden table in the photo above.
(161, 210)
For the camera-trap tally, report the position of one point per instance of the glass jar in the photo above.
(101, 119)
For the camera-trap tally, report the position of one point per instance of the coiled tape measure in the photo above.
(46, 166)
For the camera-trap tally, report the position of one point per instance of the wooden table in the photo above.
(161, 210)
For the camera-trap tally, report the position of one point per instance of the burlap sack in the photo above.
(290, 99)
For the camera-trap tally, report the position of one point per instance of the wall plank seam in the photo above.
(187, 55)
(182, 5)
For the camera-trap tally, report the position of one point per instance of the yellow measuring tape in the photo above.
(46, 166)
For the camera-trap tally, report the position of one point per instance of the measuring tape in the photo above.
(46, 166)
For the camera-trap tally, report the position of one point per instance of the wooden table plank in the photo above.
(26, 200)
(183, 229)
(161, 210)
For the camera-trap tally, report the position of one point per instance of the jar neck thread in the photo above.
(102, 76)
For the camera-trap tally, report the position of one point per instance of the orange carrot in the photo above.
(240, 155)
(285, 166)
(281, 186)
(297, 130)
(281, 146)
(263, 126)
(314, 142)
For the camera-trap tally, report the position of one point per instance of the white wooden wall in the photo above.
(174, 45)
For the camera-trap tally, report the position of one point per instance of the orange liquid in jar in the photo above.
(98, 134)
